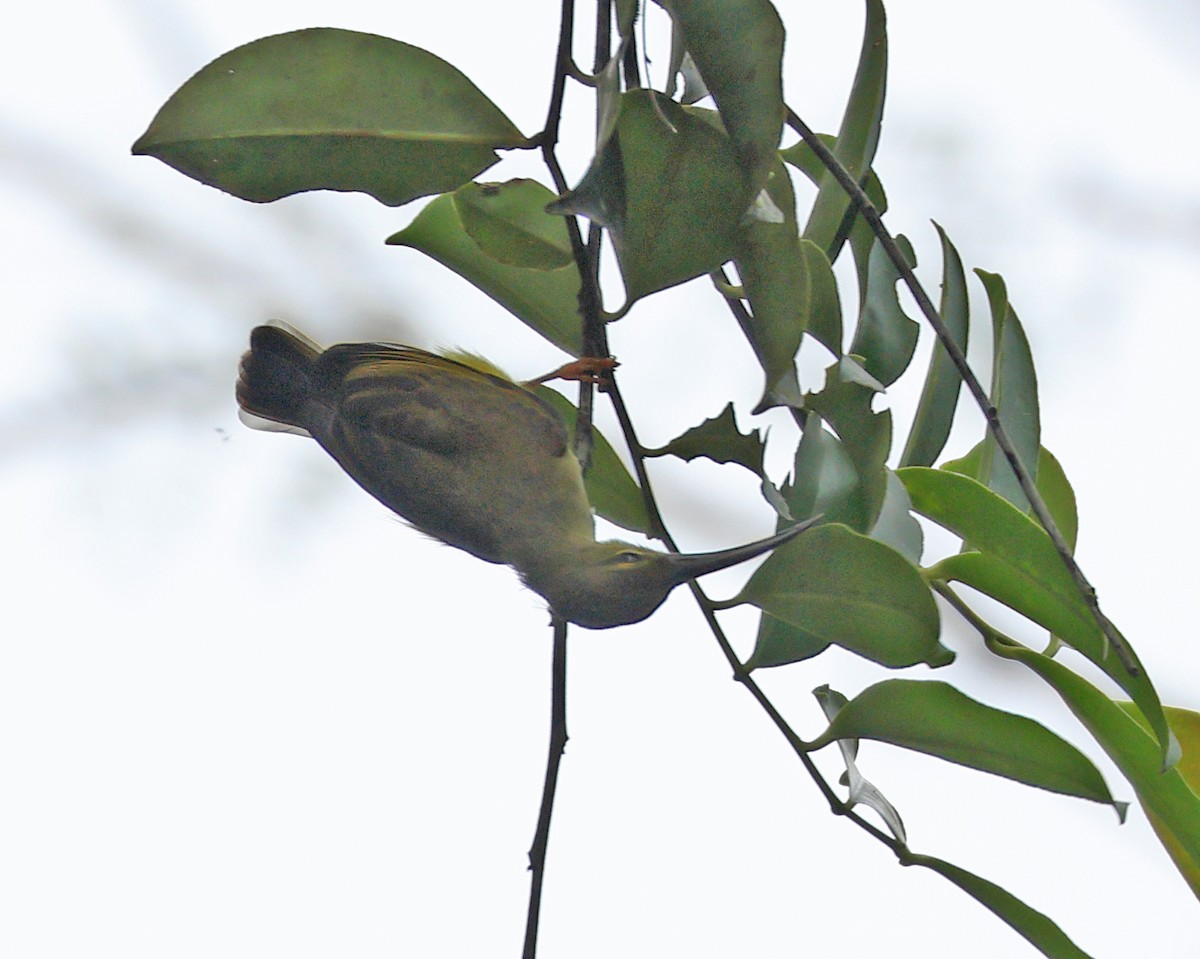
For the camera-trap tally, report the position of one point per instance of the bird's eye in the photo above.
(628, 557)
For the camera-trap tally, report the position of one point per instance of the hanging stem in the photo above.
(558, 744)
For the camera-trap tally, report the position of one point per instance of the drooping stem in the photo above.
(558, 743)
(867, 210)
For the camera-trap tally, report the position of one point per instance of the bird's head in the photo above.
(599, 585)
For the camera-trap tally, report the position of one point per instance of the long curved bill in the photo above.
(685, 566)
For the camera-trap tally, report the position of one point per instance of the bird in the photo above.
(470, 458)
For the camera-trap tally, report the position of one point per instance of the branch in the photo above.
(558, 744)
(869, 213)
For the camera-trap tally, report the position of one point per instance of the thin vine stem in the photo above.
(558, 744)
(869, 213)
(740, 674)
(594, 343)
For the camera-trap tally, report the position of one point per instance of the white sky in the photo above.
(244, 713)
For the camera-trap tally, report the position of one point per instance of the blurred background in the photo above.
(244, 711)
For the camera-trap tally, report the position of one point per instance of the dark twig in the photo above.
(558, 743)
(869, 213)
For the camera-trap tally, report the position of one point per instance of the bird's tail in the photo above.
(275, 380)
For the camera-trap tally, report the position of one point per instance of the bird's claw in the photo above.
(586, 369)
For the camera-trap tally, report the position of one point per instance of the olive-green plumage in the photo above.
(468, 457)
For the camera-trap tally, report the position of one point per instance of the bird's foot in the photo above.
(586, 369)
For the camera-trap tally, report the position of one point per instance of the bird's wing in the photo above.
(419, 399)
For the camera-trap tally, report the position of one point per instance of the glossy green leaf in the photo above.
(667, 186)
(859, 133)
(1013, 560)
(1128, 740)
(326, 109)
(937, 719)
(1038, 928)
(545, 300)
(737, 45)
(845, 404)
(841, 588)
(1052, 484)
(1014, 393)
(1174, 816)
(943, 383)
(885, 338)
(509, 223)
(611, 490)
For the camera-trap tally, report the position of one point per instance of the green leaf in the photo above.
(935, 718)
(1174, 816)
(896, 525)
(1125, 735)
(327, 109)
(845, 404)
(1058, 495)
(823, 474)
(510, 224)
(719, 439)
(545, 300)
(791, 288)
(839, 587)
(858, 136)
(862, 238)
(939, 398)
(737, 45)
(1014, 393)
(1052, 484)
(667, 186)
(885, 337)
(612, 492)
(1036, 927)
(1017, 564)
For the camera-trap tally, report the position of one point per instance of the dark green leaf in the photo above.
(791, 288)
(779, 643)
(1014, 393)
(1036, 927)
(885, 337)
(737, 45)
(666, 184)
(838, 587)
(939, 398)
(862, 238)
(1018, 565)
(327, 109)
(823, 475)
(935, 718)
(611, 490)
(720, 440)
(858, 136)
(545, 300)
(866, 436)
(896, 524)
(509, 223)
